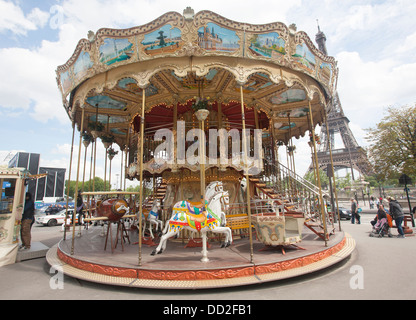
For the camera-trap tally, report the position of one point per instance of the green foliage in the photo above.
(392, 148)
(99, 186)
(310, 176)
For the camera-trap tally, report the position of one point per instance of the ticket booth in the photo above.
(12, 182)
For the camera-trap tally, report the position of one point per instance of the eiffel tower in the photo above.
(351, 155)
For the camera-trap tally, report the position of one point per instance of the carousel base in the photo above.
(180, 266)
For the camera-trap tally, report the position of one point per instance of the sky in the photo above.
(374, 43)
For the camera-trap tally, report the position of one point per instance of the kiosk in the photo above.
(12, 181)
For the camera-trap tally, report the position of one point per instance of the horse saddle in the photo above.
(196, 212)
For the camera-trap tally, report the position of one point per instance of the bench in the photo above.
(237, 221)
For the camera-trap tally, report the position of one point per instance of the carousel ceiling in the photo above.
(177, 58)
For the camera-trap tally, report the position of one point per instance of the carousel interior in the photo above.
(124, 87)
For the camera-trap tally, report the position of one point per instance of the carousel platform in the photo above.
(179, 266)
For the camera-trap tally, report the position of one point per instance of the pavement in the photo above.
(378, 269)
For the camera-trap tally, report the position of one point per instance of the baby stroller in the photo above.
(381, 228)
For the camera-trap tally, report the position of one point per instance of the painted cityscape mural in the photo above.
(115, 50)
(82, 65)
(164, 40)
(216, 38)
(304, 58)
(268, 45)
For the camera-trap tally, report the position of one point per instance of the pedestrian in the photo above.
(80, 211)
(28, 218)
(354, 212)
(372, 203)
(397, 214)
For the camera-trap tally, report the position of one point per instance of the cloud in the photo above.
(366, 88)
(14, 20)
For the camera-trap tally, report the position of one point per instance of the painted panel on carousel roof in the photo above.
(115, 50)
(325, 72)
(269, 45)
(104, 119)
(304, 58)
(256, 82)
(295, 113)
(117, 131)
(82, 65)
(65, 80)
(106, 102)
(291, 95)
(130, 85)
(215, 38)
(162, 41)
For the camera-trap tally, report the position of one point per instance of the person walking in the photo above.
(397, 214)
(27, 221)
(80, 211)
(354, 212)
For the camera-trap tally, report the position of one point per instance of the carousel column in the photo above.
(95, 136)
(121, 168)
(141, 175)
(76, 183)
(91, 161)
(127, 153)
(295, 195)
(106, 145)
(247, 175)
(69, 176)
(332, 168)
(86, 143)
(318, 177)
(95, 160)
(110, 157)
(201, 116)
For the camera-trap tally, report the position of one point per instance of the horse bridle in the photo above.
(224, 195)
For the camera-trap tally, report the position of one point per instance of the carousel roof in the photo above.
(179, 57)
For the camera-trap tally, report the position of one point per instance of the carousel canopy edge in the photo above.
(203, 34)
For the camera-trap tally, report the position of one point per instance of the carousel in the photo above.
(204, 111)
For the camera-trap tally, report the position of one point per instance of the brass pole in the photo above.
(85, 163)
(127, 153)
(105, 162)
(247, 176)
(121, 168)
(318, 177)
(76, 184)
(141, 176)
(95, 148)
(95, 161)
(109, 177)
(332, 168)
(315, 171)
(69, 175)
(105, 170)
(202, 162)
(92, 154)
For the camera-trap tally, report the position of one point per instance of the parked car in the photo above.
(54, 219)
(344, 213)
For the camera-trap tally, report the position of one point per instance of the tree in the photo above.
(393, 143)
(310, 176)
(98, 186)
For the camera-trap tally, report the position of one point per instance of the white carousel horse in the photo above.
(210, 190)
(152, 217)
(191, 218)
